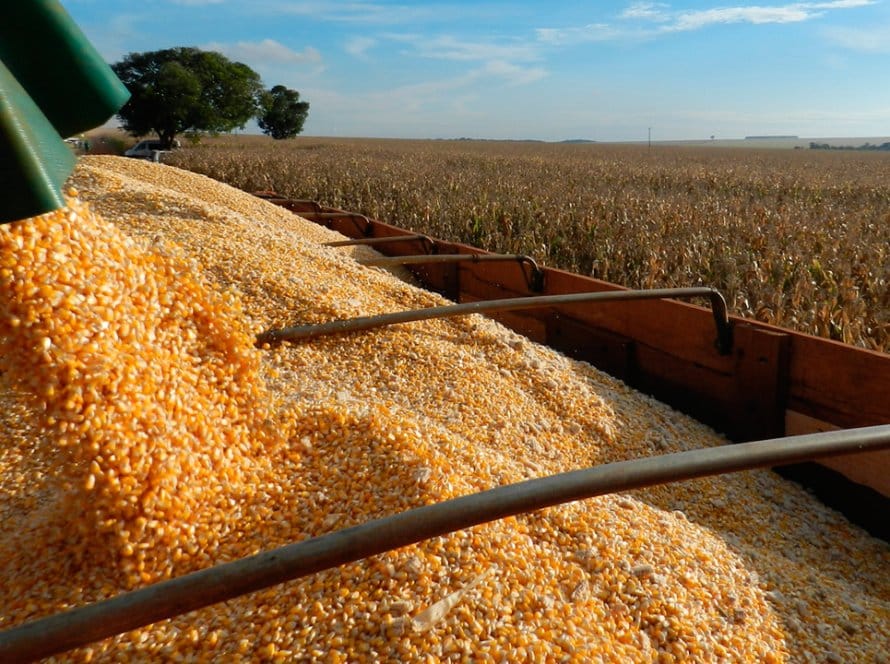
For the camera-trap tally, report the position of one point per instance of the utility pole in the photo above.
(650, 138)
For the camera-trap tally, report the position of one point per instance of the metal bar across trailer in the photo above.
(718, 308)
(80, 626)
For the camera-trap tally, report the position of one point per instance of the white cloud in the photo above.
(396, 108)
(118, 35)
(649, 11)
(359, 46)
(416, 97)
(843, 4)
(593, 32)
(438, 92)
(446, 47)
(865, 40)
(363, 13)
(432, 105)
(267, 51)
(497, 61)
(755, 15)
(514, 74)
(683, 21)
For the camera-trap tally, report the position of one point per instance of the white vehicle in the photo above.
(151, 150)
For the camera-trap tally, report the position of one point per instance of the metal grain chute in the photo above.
(62, 88)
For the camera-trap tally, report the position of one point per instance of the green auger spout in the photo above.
(53, 83)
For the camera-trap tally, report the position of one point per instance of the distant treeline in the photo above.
(864, 146)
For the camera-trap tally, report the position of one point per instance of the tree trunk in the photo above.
(166, 137)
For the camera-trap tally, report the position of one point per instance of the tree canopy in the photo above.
(282, 114)
(186, 89)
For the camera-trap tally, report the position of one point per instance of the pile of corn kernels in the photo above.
(143, 436)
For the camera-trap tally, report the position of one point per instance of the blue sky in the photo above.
(606, 71)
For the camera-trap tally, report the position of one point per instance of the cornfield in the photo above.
(795, 238)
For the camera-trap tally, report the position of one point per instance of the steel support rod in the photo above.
(302, 332)
(444, 258)
(534, 281)
(321, 217)
(296, 205)
(424, 239)
(334, 215)
(93, 622)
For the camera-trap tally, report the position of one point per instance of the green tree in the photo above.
(186, 89)
(282, 114)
